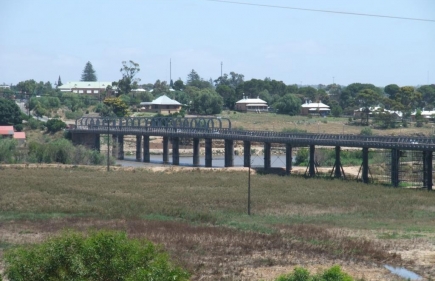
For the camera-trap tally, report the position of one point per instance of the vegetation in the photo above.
(291, 216)
(10, 113)
(301, 274)
(55, 125)
(88, 73)
(102, 255)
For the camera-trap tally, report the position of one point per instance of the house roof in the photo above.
(7, 130)
(85, 85)
(162, 100)
(20, 135)
(315, 105)
(251, 101)
(375, 108)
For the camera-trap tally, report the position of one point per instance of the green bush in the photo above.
(33, 123)
(301, 156)
(301, 274)
(102, 255)
(366, 132)
(55, 125)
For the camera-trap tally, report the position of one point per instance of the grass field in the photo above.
(201, 218)
(329, 125)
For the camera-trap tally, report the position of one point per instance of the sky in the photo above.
(45, 39)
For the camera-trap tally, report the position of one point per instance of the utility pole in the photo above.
(221, 68)
(170, 71)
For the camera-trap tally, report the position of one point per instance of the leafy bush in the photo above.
(301, 156)
(18, 127)
(33, 123)
(367, 131)
(55, 125)
(73, 114)
(7, 150)
(102, 255)
(301, 274)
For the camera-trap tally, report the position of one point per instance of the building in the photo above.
(315, 108)
(426, 114)
(251, 105)
(162, 105)
(358, 113)
(90, 88)
(8, 132)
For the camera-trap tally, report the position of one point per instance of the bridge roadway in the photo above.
(172, 132)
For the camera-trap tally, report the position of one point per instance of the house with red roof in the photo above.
(8, 132)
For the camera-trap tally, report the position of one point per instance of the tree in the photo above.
(117, 106)
(59, 82)
(367, 98)
(128, 71)
(288, 104)
(179, 85)
(194, 80)
(10, 113)
(55, 125)
(228, 94)
(391, 91)
(88, 73)
(207, 101)
(103, 255)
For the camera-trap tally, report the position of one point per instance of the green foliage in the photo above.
(288, 104)
(19, 127)
(73, 114)
(34, 124)
(336, 111)
(10, 113)
(207, 101)
(103, 255)
(366, 131)
(117, 106)
(7, 150)
(301, 274)
(55, 125)
(88, 73)
(301, 156)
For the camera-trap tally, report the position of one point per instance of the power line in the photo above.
(322, 11)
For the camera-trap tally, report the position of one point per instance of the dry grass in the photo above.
(330, 125)
(200, 216)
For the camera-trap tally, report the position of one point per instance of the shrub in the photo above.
(301, 274)
(19, 127)
(55, 125)
(33, 123)
(301, 156)
(366, 132)
(102, 255)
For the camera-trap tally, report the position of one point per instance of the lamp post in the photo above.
(249, 187)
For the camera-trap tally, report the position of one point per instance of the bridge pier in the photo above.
(365, 165)
(138, 148)
(267, 146)
(288, 158)
(97, 146)
(208, 153)
(146, 149)
(337, 164)
(395, 163)
(246, 153)
(114, 146)
(427, 169)
(120, 147)
(175, 151)
(229, 153)
(312, 163)
(196, 152)
(165, 150)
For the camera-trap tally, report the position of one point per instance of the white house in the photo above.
(90, 88)
(313, 108)
(256, 105)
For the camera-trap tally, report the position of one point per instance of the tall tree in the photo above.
(10, 113)
(128, 71)
(59, 82)
(88, 73)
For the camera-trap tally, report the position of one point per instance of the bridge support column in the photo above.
(365, 165)
(288, 158)
(165, 150)
(208, 152)
(120, 147)
(267, 146)
(138, 148)
(146, 149)
(246, 153)
(175, 151)
(114, 146)
(337, 164)
(97, 146)
(395, 160)
(196, 152)
(312, 163)
(229, 153)
(427, 169)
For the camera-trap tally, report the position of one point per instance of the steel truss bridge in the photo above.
(88, 130)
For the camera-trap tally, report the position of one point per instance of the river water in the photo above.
(277, 161)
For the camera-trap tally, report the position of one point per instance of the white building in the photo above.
(90, 88)
(253, 105)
